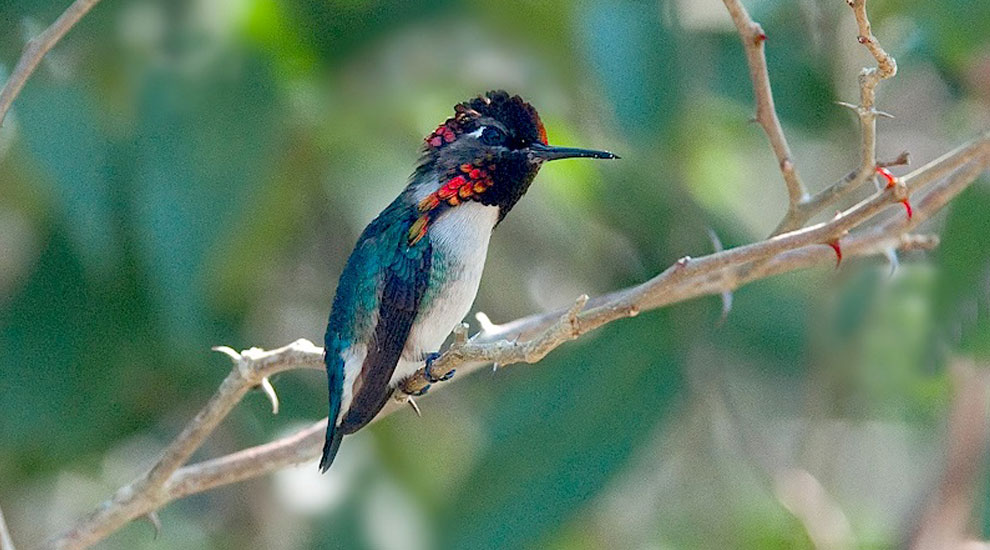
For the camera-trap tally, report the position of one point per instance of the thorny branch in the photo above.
(143, 496)
(35, 50)
(869, 78)
(529, 339)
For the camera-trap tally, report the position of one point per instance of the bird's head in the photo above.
(490, 151)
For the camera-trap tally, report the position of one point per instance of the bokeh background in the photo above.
(183, 174)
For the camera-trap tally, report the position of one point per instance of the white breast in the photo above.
(460, 238)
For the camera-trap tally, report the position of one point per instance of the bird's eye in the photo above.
(492, 136)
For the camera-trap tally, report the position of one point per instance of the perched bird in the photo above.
(414, 272)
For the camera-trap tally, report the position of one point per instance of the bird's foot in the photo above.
(421, 391)
(428, 370)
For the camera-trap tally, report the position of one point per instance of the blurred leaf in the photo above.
(335, 29)
(62, 131)
(202, 150)
(962, 293)
(634, 54)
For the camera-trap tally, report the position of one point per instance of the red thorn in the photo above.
(907, 206)
(862, 39)
(891, 178)
(838, 251)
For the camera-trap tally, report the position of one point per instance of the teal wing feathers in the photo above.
(384, 274)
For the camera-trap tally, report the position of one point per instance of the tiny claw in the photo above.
(428, 370)
(415, 407)
(891, 178)
(421, 391)
(838, 251)
(907, 206)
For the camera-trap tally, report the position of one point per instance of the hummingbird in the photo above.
(415, 270)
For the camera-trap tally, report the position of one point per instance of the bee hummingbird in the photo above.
(415, 270)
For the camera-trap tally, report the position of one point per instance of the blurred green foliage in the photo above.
(181, 174)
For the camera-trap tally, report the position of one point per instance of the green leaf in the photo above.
(962, 297)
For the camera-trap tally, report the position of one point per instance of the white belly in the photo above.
(460, 237)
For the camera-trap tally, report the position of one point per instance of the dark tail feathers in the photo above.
(331, 447)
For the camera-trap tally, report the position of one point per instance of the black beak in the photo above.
(551, 152)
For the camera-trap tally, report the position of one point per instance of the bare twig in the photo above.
(902, 159)
(6, 542)
(35, 50)
(753, 41)
(869, 78)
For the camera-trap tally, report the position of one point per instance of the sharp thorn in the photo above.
(487, 325)
(726, 308)
(907, 206)
(883, 114)
(891, 254)
(228, 351)
(269, 389)
(155, 522)
(838, 251)
(891, 178)
(716, 242)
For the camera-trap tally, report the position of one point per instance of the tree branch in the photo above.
(35, 50)
(529, 339)
(754, 41)
(148, 493)
(869, 78)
